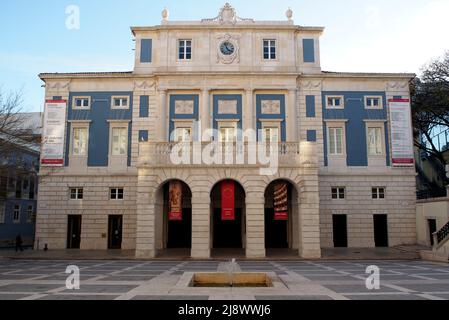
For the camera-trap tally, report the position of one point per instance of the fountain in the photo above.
(229, 275)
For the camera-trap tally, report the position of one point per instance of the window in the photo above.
(2, 213)
(378, 193)
(269, 49)
(80, 141)
(117, 193)
(76, 194)
(336, 141)
(120, 103)
(185, 49)
(31, 190)
(270, 135)
(373, 102)
(375, 141)
(3, 187)
(338, 193)
(19, 188)
(183, 134)
(119, 141)
(227, 134)
(30, 214)
(16, 214)
(81, 103)
(334, 102)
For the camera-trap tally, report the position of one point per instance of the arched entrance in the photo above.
(173, 216)
(228, 225)
(281, 215)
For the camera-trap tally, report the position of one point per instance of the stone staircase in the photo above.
(440, 250)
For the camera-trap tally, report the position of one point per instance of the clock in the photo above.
(227, 48)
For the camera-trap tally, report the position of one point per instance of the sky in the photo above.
(360, 36)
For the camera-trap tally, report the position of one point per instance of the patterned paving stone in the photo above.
(78, 297)
(88, 288)
(39, 288)
(285, 298)
(394, 297)
(181, 298)
(342, 288)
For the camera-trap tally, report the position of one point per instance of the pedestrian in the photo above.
(19, 243)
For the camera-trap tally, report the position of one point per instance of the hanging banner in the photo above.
(280, 201)
(52, 154)
(175, 201)
(401, 133)
(228, 200)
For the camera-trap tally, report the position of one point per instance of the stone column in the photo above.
(205, 112)
(255, 225)
(309, 216)
(200, 225)
(146, 216)
(291, 116)
(163, 123)
(248, 111)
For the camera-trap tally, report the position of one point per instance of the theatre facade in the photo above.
(227, 134)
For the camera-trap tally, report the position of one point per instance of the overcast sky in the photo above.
(371, 36)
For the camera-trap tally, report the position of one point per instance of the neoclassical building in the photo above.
(170, 155)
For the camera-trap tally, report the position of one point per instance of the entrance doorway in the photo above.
(74, 232)
(381, 230)
(115, 231)
(432, 229)
(173, 232)
(228, 234)
(340, 228)
(279, 233)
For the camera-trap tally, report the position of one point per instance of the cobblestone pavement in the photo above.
(166, 280)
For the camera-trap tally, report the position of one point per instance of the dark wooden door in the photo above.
(275, 231)
(340, 229)
(180, 232)
(74, 232)
(115, 232)
(381, 230)
(227, 234)
(432, 229)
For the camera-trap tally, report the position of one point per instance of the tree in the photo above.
(13, 134)
(430, 106)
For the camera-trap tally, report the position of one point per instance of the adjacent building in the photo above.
(170, 155)
(19, 166)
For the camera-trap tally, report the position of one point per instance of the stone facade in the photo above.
(220, 90)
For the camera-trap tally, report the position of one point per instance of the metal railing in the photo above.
(441, 236)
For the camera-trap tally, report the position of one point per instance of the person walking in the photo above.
(19, 243)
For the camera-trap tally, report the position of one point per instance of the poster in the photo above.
(175, 201)
(228, 200)
(54, 133)
(401, 133)
(281, 201)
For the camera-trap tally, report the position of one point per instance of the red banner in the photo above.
(175, 201)
(280, 201)
(228, 200)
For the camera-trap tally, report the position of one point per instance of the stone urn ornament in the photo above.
(289, 14)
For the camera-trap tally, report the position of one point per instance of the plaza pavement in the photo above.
(167, 280)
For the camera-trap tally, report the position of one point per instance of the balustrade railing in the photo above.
(239, 153)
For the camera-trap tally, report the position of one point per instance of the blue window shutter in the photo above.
(311, 135)
(310, 106)
(146, 47)
(143, 136)
(309, 50)
(144, 107)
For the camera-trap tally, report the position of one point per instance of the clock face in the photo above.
(227, 48)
